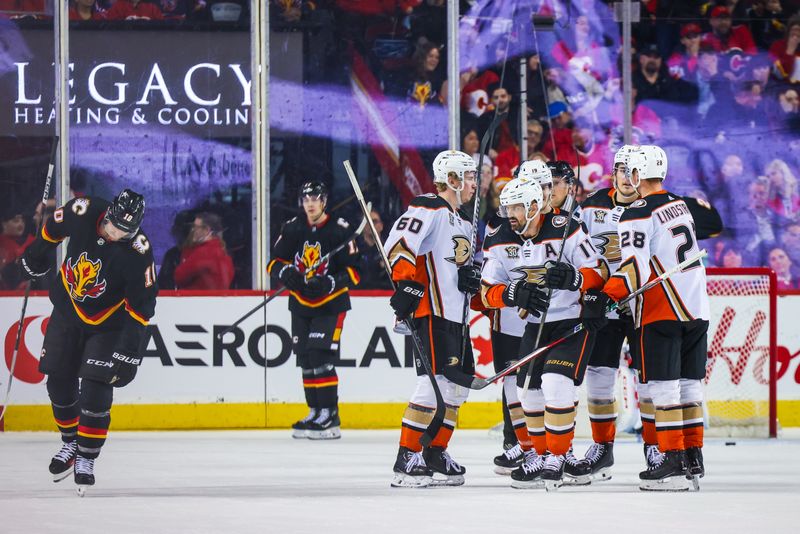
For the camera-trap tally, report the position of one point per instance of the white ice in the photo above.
(266, 482)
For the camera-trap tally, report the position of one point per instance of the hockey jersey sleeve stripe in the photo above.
(275, 262)
(674, 300)
(492, 295)
(591, 278)
(47, 237)
(624, 282)
(133, 313)
(353, 276)
(433, 286)
(402, 261)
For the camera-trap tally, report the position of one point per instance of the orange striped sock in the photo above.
(648, 414)
(693, 425)
(536, 432)
(444, 434)
(559, 424)
(669, 428)
(603, 419)
(415, 420)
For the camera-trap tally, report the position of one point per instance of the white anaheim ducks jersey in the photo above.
(657, 233)
(509, 257)
(428, 244)
(601, 213)
(504, 320)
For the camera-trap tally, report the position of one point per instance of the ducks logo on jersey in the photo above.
(532, 275)
(83, 278)
(607, 245)
(461, 248)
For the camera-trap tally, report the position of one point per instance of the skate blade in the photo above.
(299, 434)
(440, 480)
(582, 480)
(695, 479)
(504, 471)
(552, 485)
(81, 489)
(601, 475)
(61, 476)
(331, 433)
(402, 480)
(674, 483)
(527, 484)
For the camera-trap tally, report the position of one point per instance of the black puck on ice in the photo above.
(730, 443)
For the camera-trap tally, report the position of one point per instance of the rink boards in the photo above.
(190, 378)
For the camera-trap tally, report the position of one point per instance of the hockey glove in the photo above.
(319, 286)
(469, 279)
(406, 298)
(291, 278)
(526, 296)
(593, 316)
(562, 275)
(30, 269)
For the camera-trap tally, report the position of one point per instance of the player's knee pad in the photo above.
(96, 397)
(533, 401)
(62, 389)
(314, 358)
(665, 392)
(691, 391)
(510, 389)
(600, 382)
(452, 394)
(559, 390)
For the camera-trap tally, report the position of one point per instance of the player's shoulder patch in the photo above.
(343, 223)
(80, 205)
(429, 201)
(639, 203)
(558, 221)
(140, 243)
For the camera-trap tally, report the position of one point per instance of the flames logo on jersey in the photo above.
(308, 258)
(461, 248)
(532, 275)
(83, 278)
(607, 244)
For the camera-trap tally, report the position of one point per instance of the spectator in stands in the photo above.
(780, 262)
(747, 109)
(508, 131)
(582, 42)
(423, 84)
(84, 10)
(370, 264)
(788, 110)
(785, 52)
(767, 22)
(13, 242)
(561, 132)
(508, 159)
(554, 78)
(182, 9)
(784, 198)
(181, 227)
(683, 64)
(731, 256)
(474, 93)
(755, 226)
(205, 264)
(653, 82)
(711, 85)
(724, 35)
(790, 241)
(134, 10)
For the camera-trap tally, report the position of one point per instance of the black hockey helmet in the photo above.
(562, 169)
(126, 211)
(314, 188)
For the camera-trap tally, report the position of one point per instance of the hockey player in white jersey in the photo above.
(656, 233)
(513, 278)
(600, 213)
(428, 250)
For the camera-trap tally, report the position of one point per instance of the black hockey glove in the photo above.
(562, 275)
(526, 296)
(30, 268)
(291, 278)
(469, 279)
(319, 286)
(406, 298)
(593, 316)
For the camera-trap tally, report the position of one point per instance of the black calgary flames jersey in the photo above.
(102, 285)
(303, 245)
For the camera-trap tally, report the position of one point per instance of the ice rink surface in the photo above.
(266, 482)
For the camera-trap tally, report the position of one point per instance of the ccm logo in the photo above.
(413, 291)
(126, 359)
(316, 335)
(99, 363)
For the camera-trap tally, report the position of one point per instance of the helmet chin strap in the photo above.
(459, 200)
(528, 221)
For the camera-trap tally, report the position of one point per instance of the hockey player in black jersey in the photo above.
(318, 301)
(102, 300)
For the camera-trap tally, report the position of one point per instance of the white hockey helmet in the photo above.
(539, 172)
(523, 191)
(453, 161)
(621, 155)
(649, 161)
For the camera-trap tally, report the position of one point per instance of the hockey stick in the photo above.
(476, 208)
(45, 195)
(319, 262)
(421, 359)
(579, 327)
(529, 372)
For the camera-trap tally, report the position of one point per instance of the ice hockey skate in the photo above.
(600, 457)
(62, 463)
(553, 471)
(576, 472)
(668, 474)
(300, 428)
(695, 468)
(84, 474)
(511, 459)
(446, 471)
(410, 470)
(529, 474)
(325, 426)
